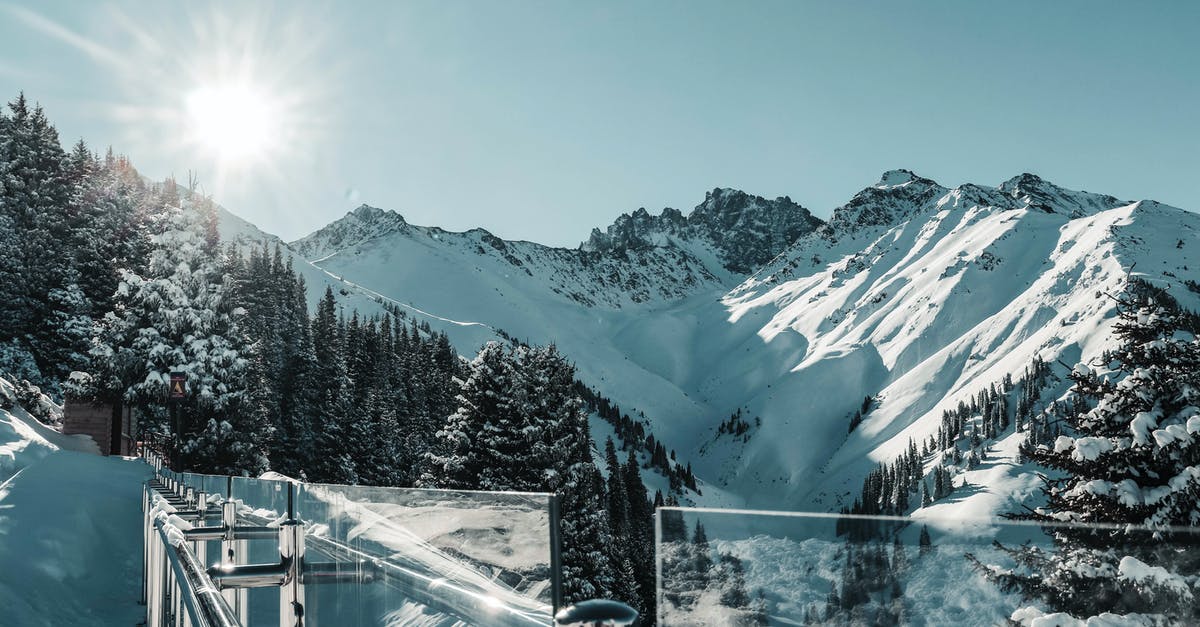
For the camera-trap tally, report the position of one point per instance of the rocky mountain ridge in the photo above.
(641, 258)
(746, 230)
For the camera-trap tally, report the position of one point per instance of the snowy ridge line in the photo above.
(338, 251)
(1041, 524)
(371, 292)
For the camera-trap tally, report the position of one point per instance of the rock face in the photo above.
(745, 230)
(898, 195)
(364, 223)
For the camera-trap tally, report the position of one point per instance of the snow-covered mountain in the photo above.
(640, 259)
(747, 231)
(922, 296)
(914, 293)
(235, 230)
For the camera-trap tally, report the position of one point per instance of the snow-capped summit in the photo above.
(363, 223)
(746, 230)
(1035, 192)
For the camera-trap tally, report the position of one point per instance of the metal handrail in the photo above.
(200, 596)
(188, 594)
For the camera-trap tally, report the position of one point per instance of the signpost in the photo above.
(178, 384)
(176, 392)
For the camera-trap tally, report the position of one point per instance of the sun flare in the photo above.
(236, 124)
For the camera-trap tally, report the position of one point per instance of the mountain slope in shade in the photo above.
(914, 293)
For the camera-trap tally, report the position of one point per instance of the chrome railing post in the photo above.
(200, 547)
(291, 593)
(231, 554)
(145, 540)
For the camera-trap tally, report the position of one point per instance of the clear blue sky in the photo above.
(540, 120)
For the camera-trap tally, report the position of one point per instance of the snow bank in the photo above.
(70, 528)
(24, 440)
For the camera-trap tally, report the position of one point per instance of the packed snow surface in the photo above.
(70, 529)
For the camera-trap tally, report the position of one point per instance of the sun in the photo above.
(237, 124)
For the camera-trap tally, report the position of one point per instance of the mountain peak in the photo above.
(899, 194)
(1024, 182)
(362, 223)
(746, 230)
(367, 213)
(1038, 193)
(896, 178)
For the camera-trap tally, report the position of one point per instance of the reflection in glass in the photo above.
(409, 556)
(725, 567)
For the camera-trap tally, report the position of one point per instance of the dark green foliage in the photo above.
(69, 223)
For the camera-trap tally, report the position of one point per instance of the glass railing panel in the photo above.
(261, 503)
(766, 568)
(209, 484)
(409, 556)
(262, 500)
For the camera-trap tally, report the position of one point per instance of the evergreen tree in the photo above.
(925, 542)
(331, 386)
(177, 318)
(1132, 463)
(479, 444)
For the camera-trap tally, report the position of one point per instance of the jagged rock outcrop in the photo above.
(363, 223)
(745, 230)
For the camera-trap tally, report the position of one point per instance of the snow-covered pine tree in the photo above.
(476, 438)
(1132, 464)
(588, 569)
(177, 318)
(641, 539)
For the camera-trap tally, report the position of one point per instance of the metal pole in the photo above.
(174, 435)
(145, 539)
(556, 593)
(200, 547)
(291, 552)
(230, 555)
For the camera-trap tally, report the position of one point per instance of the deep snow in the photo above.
(70, 529)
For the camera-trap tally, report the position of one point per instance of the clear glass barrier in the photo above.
(208, 484)
(408, 556)
(767, 568)
(378, 556)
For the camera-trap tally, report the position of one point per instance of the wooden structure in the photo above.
(111, 426)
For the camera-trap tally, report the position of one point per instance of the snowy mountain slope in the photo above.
(640, 259)
(233, 229)
(957, 293)
(915, 293)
